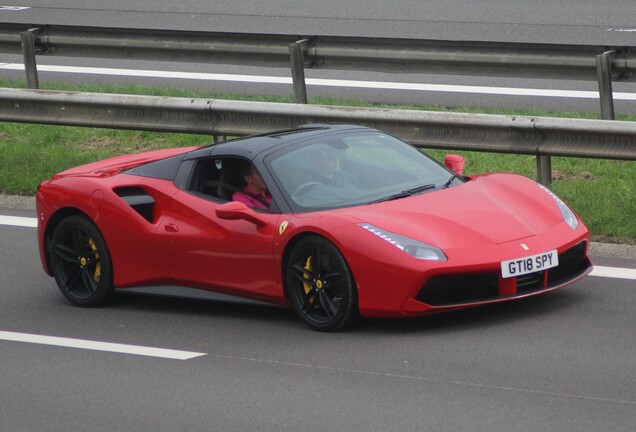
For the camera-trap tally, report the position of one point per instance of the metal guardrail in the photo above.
(538, 136)
(601, 63)
(354, 53)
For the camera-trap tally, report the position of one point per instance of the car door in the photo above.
(230, 256)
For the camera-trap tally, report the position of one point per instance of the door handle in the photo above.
(171, 228)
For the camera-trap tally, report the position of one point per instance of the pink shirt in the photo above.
(248, 199)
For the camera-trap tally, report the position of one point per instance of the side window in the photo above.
(231, 179)
(205, 177)
(218, 178)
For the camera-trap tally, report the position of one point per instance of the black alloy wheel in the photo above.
(320, 285)
(80, 262)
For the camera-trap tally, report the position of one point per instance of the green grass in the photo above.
(603, 192)
(32, 153)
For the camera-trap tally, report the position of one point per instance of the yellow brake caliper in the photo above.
(98, 267)
(307, 276)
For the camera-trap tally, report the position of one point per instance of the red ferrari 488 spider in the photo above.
(334, 221)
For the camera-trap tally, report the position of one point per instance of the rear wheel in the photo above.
(320, 285)
(80, 262)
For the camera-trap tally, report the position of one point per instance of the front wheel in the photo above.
(80, 262)
(320, 286)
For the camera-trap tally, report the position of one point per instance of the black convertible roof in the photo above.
(247, 147)
(252, 145)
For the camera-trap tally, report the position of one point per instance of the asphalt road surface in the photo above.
(562, 361)
(563, 22)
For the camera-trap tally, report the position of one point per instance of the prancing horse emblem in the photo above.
(283, 227)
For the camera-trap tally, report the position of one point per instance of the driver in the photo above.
(255, 193)
(329, 172)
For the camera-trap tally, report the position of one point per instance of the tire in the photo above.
(80, 262)
(320, 285)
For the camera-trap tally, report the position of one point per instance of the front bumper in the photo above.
(448, 292)
(470, 277)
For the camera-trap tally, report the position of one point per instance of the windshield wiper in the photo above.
(405, 193)
(449, 182)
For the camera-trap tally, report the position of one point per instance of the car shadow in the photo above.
(201, 307)
(482, 317)
(493, 315)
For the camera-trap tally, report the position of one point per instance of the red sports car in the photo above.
(334, 221)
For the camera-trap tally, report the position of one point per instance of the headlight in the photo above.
(568, 215)
(412, 247)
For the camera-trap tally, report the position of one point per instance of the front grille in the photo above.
(572, 263)
(454, 289)
(530, 282)
(448, 290)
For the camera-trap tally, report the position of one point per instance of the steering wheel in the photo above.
(300, 190)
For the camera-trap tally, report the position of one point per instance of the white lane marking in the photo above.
(14, 8)
(378, 85)
(614, 272)
(599, 271)
(19, 221)
(99, 346)
(425, 379)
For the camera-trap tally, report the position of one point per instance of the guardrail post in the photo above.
(544, 170)
(298, 71)
(604, 73)
(28, 52)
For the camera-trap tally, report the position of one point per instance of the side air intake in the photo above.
(139, 200)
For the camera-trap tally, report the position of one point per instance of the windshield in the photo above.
(354, 168)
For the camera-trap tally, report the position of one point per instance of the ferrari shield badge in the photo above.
(282, 227)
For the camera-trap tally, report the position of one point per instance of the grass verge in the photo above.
(603, 192)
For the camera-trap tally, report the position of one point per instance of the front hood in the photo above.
(490, 209)
(114, 165)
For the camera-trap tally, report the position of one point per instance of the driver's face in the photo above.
(255, 182)
(330, 166)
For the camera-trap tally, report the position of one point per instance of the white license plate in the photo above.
(529, 264)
